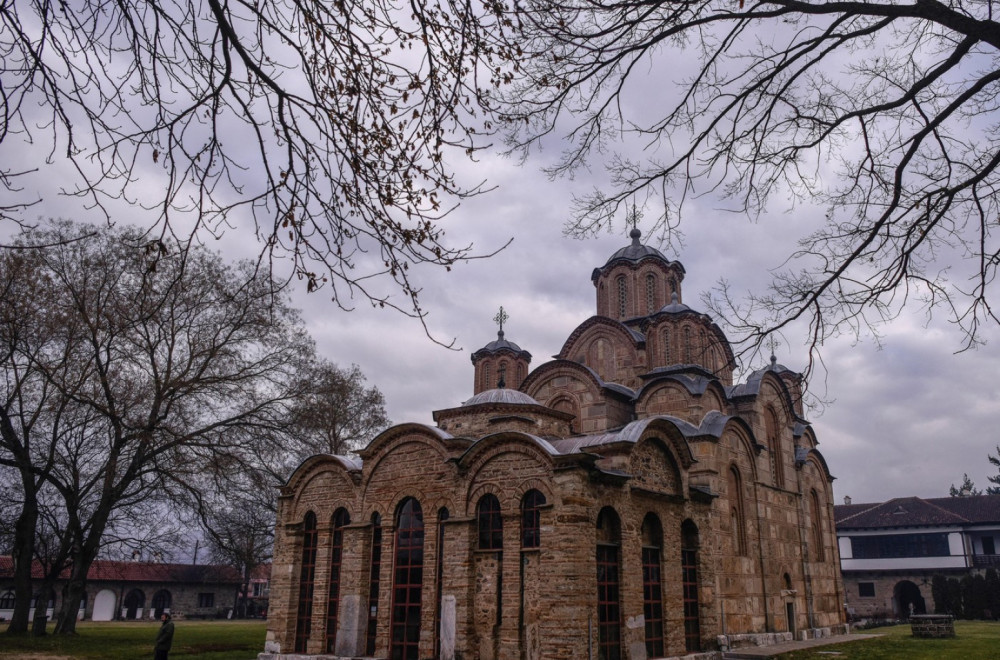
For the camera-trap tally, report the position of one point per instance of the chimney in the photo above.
(847, 499)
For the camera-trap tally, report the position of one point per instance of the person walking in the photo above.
(164, 638)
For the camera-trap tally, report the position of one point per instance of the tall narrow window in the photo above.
(439, 580)
(816, 516)
(650, 293)
(609, 624)
(652, 585)
(407, 582)
(774, 445)
(307, 573)
(531, 509)
(666, 347)
(488, 383)
(622, 298)
(340, 520)
(374, 577)
(689, 577)
(737, 519)
(490, 523)
(688, 353)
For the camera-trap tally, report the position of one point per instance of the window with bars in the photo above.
(774, 445)
(650, 293)
(609, 626)
(666, 346)
(652, 585)
(307, 573)
(340, 520)
(407, 582)
(443, 516)
(490, 523)
(689, 580)
(374, 576)
(531, 509)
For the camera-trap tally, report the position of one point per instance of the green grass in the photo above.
(208, 640)
(974, 640)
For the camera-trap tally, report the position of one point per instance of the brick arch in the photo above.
(654, 466)
(585, 382)
(388, 445)
(323, 490)
(515, 460)
(593, 327)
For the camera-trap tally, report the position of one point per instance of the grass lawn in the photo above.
(133, 640)
(974, 640)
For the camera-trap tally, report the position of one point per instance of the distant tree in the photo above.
(967, 489)
(164, 358)
(993, 593)
(878, 110)
(338, 414)
(995, 478)
(941, 595)
(332, 128)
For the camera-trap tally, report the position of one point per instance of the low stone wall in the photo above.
(932, 625)
(752, 640)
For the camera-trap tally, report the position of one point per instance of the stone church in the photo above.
(625, 500)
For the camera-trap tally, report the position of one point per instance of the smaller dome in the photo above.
(497, 345)
(501, 395)
(675, 307)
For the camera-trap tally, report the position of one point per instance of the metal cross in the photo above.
(773, 343)
(500, 318)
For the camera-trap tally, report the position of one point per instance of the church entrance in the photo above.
(906, 600)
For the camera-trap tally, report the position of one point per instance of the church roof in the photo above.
(917, 512)
(501, 395)
(634, 253)
(676, 307)
(497, 345)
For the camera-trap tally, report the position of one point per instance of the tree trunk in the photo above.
(77, 584)
(23, 554)
(41, 617)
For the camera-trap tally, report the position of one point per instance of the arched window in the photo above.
(307, 573)
(374, 577)
(531, 509)
(490, 523)
(652, 584)
(407, 582)
(688, 352)
(488, 383)
(689, 577)
(502, 374)
(666, 347)
(736, 512)
(7, 601)
(520, 375)
(816, 520)
(340, 520)
(161, 603)
(650, 293)
(609, 609)
(771, 428)
(622, 297)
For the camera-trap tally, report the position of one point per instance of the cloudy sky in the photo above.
(906, 416)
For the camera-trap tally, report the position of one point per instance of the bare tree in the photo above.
(171, 356)
(331, 127)
(884, 112)
(338, 414)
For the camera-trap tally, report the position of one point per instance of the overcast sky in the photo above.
(907, 418)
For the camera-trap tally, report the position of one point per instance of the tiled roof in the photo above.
(134, 571)
(917, 512)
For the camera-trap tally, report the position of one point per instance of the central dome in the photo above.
(501, 395)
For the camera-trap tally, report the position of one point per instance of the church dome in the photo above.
(497, 345)
(675, 307)
(636, 251)
(501, 395)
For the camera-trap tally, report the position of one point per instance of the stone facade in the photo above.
(625, 501)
